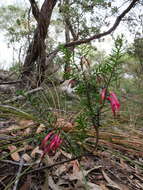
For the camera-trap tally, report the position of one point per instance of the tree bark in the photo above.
(36, 50)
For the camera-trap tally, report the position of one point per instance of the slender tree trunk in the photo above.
(67, 61)
(68, 29)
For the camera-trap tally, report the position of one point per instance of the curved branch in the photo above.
(97, 36)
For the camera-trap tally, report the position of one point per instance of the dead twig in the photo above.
(59, 163)
(10, 82)
(18, 174)
(19, 163)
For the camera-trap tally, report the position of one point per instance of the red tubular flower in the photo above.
(50, 143)
(115, 105)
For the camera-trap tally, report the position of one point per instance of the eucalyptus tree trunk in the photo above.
(36, 54)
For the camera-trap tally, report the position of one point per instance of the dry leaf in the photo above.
(27, 131)
(111, 183)
(125, 166)
(41, 128)
(27, 123)
(27, 158)
(92, 169)
(52, 184)
(103, 187)
(36, 150)
(56, 156)
(93, 186)
(63, 182)
(80, 175)
(14, 153)
(76, 166)
(64, 125)
(67, 155)
(61, 169)
(77, 174)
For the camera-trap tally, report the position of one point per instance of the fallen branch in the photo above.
(22, 97)
(10, 82)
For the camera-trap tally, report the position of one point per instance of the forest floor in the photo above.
(117, 163)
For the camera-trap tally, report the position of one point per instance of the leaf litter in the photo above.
(117, 164)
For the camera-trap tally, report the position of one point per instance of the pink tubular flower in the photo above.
(50, 143)
(44, 142)
(115, 105)
(103, 93)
